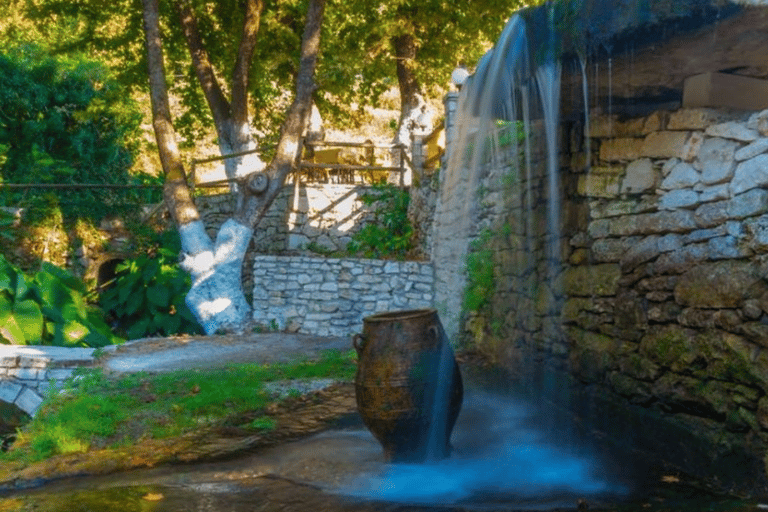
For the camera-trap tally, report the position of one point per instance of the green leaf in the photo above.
(74, 332)
(62, 275)
(29, 318)
(139, 329)
(159, 296)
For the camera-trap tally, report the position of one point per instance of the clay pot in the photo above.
(408, 386)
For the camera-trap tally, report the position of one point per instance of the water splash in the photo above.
(500, 457)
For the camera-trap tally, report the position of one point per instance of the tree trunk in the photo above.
(255, 200)
(216, 297)
(411, 100)
(231, 119)
(412, 103)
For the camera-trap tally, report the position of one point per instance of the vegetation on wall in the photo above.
(48, 308)
(480, 283)
(390, 234)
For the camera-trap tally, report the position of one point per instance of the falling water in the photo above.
(441, 403)
(585, 92)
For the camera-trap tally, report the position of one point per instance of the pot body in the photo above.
(408, 386)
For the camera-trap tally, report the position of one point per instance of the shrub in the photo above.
(147, 296)
(64, 120)
(49, 308)
(390, 235)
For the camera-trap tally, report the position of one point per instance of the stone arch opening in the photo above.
(107, 270)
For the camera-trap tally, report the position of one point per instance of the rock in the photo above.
(762, 412)
(640, 177)
(695, 118)
(682, 175)
(669, 144)
(752, 202)
(758, 147)
(759, 122)
(588, 281)
(750, 174)
(597, 184)
(732, 130)
(677, 262)
(752, 309)
(677, 199)
(724, 284)
(645, 250)
(711, 214)
(726, 247)
(714, 193)
(715, 159)
(621, 149)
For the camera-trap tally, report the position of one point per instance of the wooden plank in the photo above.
(344, 167)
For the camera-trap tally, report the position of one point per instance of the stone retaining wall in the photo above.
(331, 296)
(28, 373)
(663, 288)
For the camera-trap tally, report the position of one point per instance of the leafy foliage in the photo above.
(480, 280)
(49, 308)
(390, 235)
(358, 44)
(147, 297)
(63, 120)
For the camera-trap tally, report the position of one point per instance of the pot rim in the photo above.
(404, 314)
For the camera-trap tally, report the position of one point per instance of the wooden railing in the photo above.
(352, 162)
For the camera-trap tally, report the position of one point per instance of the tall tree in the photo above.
(372, 43)
(216, 297)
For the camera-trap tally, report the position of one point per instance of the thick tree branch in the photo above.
(251, 22)
(253, 207)
(218, 104)
(175, 192)
(405, 55)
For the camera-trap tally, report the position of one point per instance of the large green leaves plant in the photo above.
(147, 296)
(48, 308)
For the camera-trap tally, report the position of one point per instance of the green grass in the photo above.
(96, 411)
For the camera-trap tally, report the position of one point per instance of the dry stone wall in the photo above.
(661, 296)
(331, 296)
(666, 282)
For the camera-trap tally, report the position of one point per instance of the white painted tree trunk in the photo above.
(240, 140)
(216, 297)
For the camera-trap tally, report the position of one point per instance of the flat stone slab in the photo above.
(53, 355)
(168, 354)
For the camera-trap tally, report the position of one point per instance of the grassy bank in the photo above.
(97, 411)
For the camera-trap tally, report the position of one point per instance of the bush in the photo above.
(64, 120)
(391, 233)
(49, 308)
(147, 297)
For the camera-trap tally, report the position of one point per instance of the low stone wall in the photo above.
(331, 296)
(28, 373)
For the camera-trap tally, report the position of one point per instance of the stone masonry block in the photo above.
(695, 118)
(725, 90)
(622, 149)
(670, 144)
(29, 401)
(9, 391)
